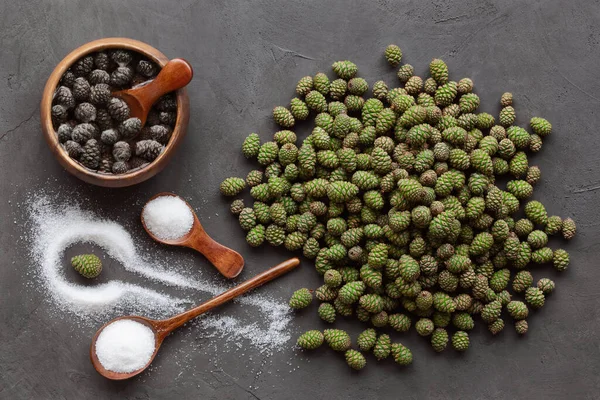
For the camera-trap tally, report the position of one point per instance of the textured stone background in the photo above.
(247, 57)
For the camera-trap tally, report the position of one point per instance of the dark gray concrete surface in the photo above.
(247, 57)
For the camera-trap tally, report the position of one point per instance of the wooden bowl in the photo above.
(96, 178)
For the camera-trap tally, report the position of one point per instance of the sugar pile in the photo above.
(55, 225)
(125, 346)
(168, 217)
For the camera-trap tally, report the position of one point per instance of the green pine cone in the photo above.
(345, 69)
(536, 212)
(385, 121)
(560, 260)
(507, 116)
(519, 136)
(520, 189)
(256, 236)
(443, 302)
(463, 321)
(445, 94)
(327, 312)
(517, 309)
(301, 298)
(414, 115)
(321, 83)
(304, 85)
(232, 186)
(439, 71)
(383, 347)
(401, 354)
(337, 89)
(460, 341)
(316, 101)
(337, 339)
(546, 285)
(298, 109)
(568, 228)
(310, 340)
(496, 327)
(521, 327)
(393, 55)
(499, 280)
(491, 311)
(534, 297)
(537, 239)
(414, 85)
(341, 192)
(540, 126)
(351, 292)
(370, 111)
(283, 117)
(424, 327)
(358, 86)
(399, 322)
(332, 278)
(88, 265)
(373, 303)
(439, 339)
(251, 146)
(404, 73)
(275, 235)
(355, 359)
(268, 153)
(366, 339)
(380, 90)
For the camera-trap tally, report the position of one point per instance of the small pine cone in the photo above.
(88, 265)
(83, 132)
(337, 89)
(232, 186)
(85, 112)
(98, 76)
(430, 86)
(414, 85)
(439, 339)
(109, 136)
(283, 117)
(160, 133)
(301, 298)
(64, 97)
(554, 225)
(146, 68)
(73, 149)
(121, 57)
(168, 102)
(460, 341)
(568, 228)
(237, 206)
(321, 83)
(119, 167)
(327, 312)
(534, 297)
(254, 178)
(130, 128)
(380, 90)
(358, 86)
(506, 99)
(439, 71)
(137, 162)
(106, 165)
(256, 236)
(103, 119)
(345, 69)
(316, 101)
(59, 114)
(560, 260)
(83, 66)
(100, 94)
(68, 79)
(546, 285)
(118, 109)
(535, 143)
(310, 340)
(81, 89)
(121, 76)
(507, 116)
(304, 85)
(101, 60)
(167, 117)
(401, 354)
(465, 85)
(121, 151)
(496, 327)
(521, 327)
(355, 359)
(64, 133)
(91, 154)
(299, 109)
(393, 55)
(148, 149)
(405, 72)
(533, 175)
(517, 309)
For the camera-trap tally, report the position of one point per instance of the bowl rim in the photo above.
(102, 179)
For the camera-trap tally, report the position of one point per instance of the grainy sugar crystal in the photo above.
(125, 346)
(168, 217)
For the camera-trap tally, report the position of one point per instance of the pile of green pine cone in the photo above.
(395, 198)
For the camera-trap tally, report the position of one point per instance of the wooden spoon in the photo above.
(229, 262)
(175, 74)
(162, 328)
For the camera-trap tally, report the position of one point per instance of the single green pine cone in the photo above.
(463, 321)
(232, 186)
(496, 327)
(337, 89)
(414, 85)
(520, 189)
(424, 327)
(540, 126)
(560, 260)
(254, 178)
(275, 235)
(345, 69)
(439, 339)
(521, 327)
(522, 281)
(237, 206)
(393, 55)
(405, 72)
(316, 101)
(332, 278)
(442, 302)
(326, 293)
(537, 239)
(491, 311)
(439, 71)
(351, 292)
(506, 99)
(380, 90)
(554, 225)
(383, 347)
(268, 153)
(568, 228)
(355, 359)
(327, 312)
(340, 192)
(445, 94)
(284, 136)
(460, 341)
(321, 83)
(283, 117)
(534, 297)
(517, 309)
(380, 319)
(536, 212)
(304, 85)
(358, 86)
(337, 339)
(298, 109)
(247, 219)
(370, 111)
(310, 340)
(401, 354)
(546, 285)
(523, 227)
(399, 322)
(88, 265)
(301, 298)
(366, 339)
(256, 236)
(373, 303)
(499, 280)
(507, 116)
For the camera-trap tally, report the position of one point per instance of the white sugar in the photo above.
(168, 217)
(125, 346)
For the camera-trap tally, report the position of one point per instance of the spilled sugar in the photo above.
(56, 225)
(168, 217)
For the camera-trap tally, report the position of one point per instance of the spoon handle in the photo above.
(229, 262)
(166, 326)
(174, 75)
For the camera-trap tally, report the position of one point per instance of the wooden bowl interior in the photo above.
(96, 178)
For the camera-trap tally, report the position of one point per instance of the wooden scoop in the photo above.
(162, 328)
(175, 75)
(229, 262)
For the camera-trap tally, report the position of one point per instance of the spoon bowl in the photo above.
(162, 328)
(229, 262)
